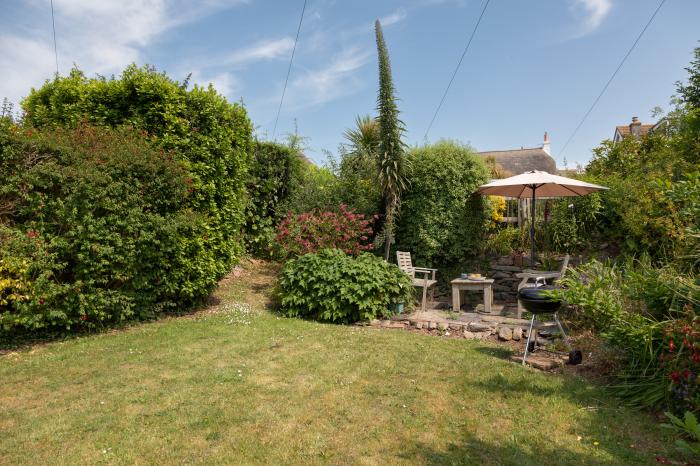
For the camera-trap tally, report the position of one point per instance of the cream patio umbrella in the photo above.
(537, 184)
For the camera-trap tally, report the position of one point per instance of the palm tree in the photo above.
(391, 157)
(363, 140)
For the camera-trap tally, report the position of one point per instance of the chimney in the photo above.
(635, 127)
(545, 144)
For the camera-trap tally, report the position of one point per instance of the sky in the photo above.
(533, 66)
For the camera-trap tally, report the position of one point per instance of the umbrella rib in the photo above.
(566, 187)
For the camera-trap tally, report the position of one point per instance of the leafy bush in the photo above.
(316, 230)
(644, 312)
(442, 221)
(97, 229)
(275, 175)
(688, 427)
(332, 286)
(211, 136)
(318, 190)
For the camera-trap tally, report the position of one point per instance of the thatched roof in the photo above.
(522, 160)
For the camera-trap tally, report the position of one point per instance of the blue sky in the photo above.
(533, 66)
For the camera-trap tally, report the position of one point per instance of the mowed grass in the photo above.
(234, 387)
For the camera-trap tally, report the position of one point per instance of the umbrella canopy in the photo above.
(534, 184)
(539, 184)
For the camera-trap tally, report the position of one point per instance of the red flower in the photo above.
(696, 357)
(671, 345)
(674, 376)
(686, 373)
(83, 317)
(32, 233)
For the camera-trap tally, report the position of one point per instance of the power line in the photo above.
(624, 59)
(456, 69)
(55, 49)
(289, 70)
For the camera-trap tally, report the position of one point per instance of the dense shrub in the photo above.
(343, 229)
(442, 221)
(333, 286)
(318, 189)
(646, 314)
(275, 176)
(97, 228)
(206, 132)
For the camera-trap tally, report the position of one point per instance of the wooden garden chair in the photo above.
(403, 259)
(530, 277)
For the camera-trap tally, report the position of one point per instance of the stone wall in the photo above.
(505, 285)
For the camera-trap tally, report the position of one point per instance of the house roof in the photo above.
(522, 160)
(644, 129)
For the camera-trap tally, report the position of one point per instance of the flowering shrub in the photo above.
(680, 361)
(312, 231)
(333, 286)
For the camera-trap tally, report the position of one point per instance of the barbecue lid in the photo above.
(535, 294)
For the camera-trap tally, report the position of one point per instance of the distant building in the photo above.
(517, 161)
(521, 160)
(637, 129)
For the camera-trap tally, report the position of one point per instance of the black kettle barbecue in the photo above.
(536, 302)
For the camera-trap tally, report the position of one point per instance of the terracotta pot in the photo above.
(518, 259)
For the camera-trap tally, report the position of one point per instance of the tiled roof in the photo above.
(644, 129)
(522, 160)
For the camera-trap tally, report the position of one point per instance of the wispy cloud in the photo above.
(594, 12)
(393, 18)
(97, 36)
(337, 79)
(264, 50)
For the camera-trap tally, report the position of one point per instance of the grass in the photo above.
(238, 385)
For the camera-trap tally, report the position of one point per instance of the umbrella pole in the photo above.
(532, 229)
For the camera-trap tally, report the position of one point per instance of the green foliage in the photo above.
(318, 189)
(636, 306)
(98, 227)
(392, 160)
(689, 428)
(504, 241)
(275, 175)
(332, 286)
(443, 221)
(690, 92)
(211, 136)
(572, 223)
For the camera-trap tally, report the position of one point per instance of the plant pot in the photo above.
(396, 308)
(517, 259)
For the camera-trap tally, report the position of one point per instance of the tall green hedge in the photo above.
(442, 222)
(275, 176)
(211, 136)
(95, 228)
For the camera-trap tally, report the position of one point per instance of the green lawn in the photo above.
(231, 387)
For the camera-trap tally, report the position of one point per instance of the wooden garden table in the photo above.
(462, 284)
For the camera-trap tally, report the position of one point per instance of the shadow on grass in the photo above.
(475, 451)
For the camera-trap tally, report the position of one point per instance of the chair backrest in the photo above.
(403, 259)
(564, 265)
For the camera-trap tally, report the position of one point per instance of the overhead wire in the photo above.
(289, 70)
(55, 49)
(459, 63)
(619, 67)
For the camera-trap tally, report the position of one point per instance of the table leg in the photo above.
(488, 298)
(455, 298)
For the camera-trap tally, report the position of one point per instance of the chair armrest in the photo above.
(535, 274)
(426, 270)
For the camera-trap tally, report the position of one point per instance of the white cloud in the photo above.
(99, 36)
(395, 17)
(263, 50)
(595, 12)
(335, 80)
